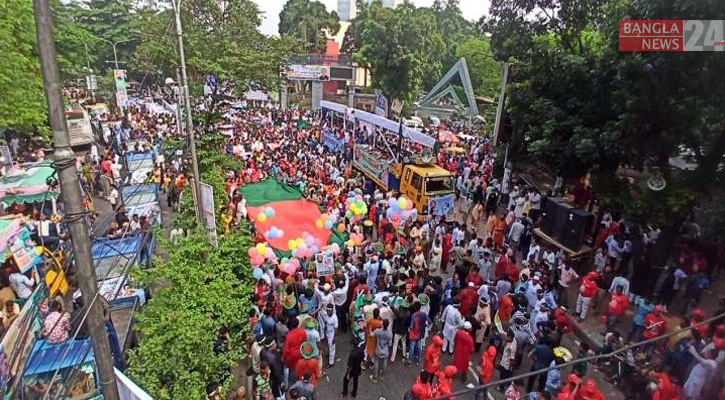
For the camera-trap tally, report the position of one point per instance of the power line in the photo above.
(580, 360)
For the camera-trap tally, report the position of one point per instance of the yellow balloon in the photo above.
(262, 217)
(261, 249)
(319, 224)
(403, 203)
(292, 244)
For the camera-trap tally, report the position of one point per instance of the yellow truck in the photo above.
(429, 186)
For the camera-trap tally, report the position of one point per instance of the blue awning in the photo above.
(46, 358)
(103, 248)
(130, 190)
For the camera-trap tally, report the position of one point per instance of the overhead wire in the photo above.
(610, 354)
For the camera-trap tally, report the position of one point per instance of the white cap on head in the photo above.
(327, 287)
(467, 325)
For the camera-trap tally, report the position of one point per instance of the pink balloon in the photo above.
(252, 252)
(257, 260)
(335, 248)
(269, 253)
(290, 268)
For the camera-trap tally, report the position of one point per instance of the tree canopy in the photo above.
(310, 22)
(578, 105)
(22, 100)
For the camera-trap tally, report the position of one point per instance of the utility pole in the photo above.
(71, 195)
(179, 102)
(196, 185)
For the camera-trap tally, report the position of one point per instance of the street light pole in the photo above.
(114, 44)
(196, 186)
(76, 215)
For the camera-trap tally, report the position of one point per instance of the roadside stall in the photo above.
(113, 259)
(27, 185)
(139, 165)
(143, 200)
(76, 376)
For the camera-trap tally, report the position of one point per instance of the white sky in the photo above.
(472, 10)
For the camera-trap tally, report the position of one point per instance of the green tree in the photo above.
(485, 71)
(22, 101)
(397, 44)
(200, 290)
(310, 22)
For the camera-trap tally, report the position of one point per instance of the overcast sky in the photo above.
(472, 9)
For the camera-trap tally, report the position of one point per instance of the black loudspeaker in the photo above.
(549, 208)
(561, 220)
(578, 223)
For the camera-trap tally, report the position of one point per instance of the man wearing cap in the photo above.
(329, 325)
(469, 299)
(308, 364)
(483, 318)
(445, 381)
(587, 290)
(325, 298)
(452, 321)
(371, 268)
(618, 305)
(532, 291)
(463, 349)
(401, 324)
(303, 388)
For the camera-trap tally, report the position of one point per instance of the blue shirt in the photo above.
(553, 380)
(643, 309)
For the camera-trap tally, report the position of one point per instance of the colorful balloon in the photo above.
(261, 217)
(257, 273)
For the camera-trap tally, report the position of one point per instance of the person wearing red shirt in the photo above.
(654, 323)
(587, 290)
(505, 309)
(106, 166)
(469, 299)
(463, 348)
(291, 349)
(474, 277)
(432, 359)
(666, 389)
(485, 369)
(699, 329)
(589, 391)
(617, 307)
(445, 381)
(308, 364)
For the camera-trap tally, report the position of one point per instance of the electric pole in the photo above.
(196, 185)
(71, 195)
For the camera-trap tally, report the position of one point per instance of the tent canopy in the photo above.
(27, 184)
(136, 161)
(46, 357)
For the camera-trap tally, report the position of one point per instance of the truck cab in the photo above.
(422, 182)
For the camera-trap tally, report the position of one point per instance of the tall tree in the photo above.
(310, 22)
(397, 44)
(22, 101)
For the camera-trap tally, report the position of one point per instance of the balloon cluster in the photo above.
(290, 265)
(355, 239)
(400, 211)
(329, 221)
(304, 247)
(259, 253)
(266, 214)
(356, 207)
(273, 233)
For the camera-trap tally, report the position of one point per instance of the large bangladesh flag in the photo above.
(293, 214)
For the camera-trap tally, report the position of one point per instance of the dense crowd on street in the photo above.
(479, 285)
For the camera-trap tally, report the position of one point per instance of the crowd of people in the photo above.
(479, 282)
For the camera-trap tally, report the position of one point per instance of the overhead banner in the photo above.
(332, 142)
(297, 72)
(24, 251)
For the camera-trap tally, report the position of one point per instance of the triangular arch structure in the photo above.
(440, 89)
